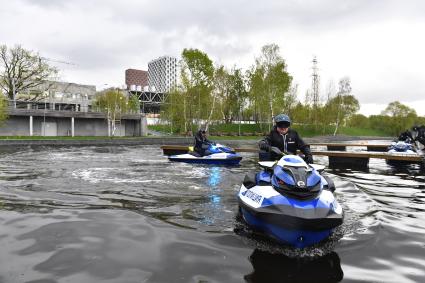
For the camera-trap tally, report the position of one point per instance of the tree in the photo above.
(114, 103)
(359, 121)
(3, 108)
(173, 111)
(134, 103)
(197, 73)
(271, 77)
(22, 70)
(401, 116)
(343, 105)
(230, 87)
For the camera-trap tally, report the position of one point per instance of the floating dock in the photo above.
(336, 152)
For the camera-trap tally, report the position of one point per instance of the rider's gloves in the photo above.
(264, 146)
(276, 150)
(309, 159)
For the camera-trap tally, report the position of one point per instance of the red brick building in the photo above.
(138, 78)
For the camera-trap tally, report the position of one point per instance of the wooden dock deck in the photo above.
(336, 152)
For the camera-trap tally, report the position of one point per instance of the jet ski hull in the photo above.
(217, 158)
(299, 223)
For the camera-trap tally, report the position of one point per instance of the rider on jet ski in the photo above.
(202, 143)
(406, 136)
(283, 139)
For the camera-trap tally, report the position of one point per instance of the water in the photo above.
(127, 214)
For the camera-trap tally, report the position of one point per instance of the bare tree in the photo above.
(22, 70)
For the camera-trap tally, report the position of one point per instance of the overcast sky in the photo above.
(378, 44)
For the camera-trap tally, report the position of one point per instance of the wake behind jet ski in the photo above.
(291, 202)
(217, 154)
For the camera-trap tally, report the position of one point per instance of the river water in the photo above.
(127, 214)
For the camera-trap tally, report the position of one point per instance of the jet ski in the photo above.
(290, 202)
(404, 147)
(219, 154)
(401, 147)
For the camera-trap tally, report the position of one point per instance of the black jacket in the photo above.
(420, 134)
(406, 137)
(201, 143)
(288, 143)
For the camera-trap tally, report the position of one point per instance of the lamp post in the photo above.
(44, 115)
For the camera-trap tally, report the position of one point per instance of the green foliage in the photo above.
(358, 120)
(396, 118)
(342, 107)
(197, 73)
(269, 83)
(134, 104)
(3, 108)
(22, 70)
(114, 104)
(231, 91)
(212, 96)
(396, 109)
(256, 130)
(174, 111)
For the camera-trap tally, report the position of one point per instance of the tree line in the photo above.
(211, 93)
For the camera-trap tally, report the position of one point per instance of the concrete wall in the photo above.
(20, 126)
(15, 126)
(90, 127)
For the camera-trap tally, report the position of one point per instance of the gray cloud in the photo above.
(362, 39)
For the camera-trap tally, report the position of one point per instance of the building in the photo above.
(136, 79)
(162, 74)
(65, 109)
(55, 95)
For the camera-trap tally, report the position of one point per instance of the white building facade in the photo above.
(162, 74)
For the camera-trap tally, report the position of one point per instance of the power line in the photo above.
(58, 61)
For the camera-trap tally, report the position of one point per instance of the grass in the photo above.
(227, 132)
(62, 138)
(252, 131)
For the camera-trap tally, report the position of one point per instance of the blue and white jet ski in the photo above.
(219, 154)
(403, 147)
(291, 202)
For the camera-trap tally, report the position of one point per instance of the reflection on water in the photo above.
(273, 268)
(127, 214)
(214, 206)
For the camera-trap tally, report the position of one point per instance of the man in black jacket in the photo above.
(282, 139)
(202, 143)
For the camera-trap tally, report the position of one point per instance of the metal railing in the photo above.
(54, 106)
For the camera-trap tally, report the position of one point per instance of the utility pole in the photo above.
(315, 90)
(315, 84)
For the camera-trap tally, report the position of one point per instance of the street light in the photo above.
(44, 115)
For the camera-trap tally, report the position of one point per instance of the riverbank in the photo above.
(161, 140)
